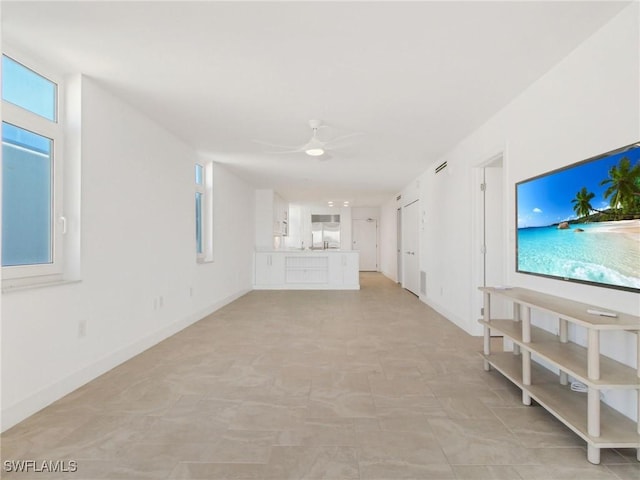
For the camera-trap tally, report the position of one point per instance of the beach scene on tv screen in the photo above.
(583, 222)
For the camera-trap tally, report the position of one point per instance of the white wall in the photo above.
(389, 239)
(577, 110)
(586, 105)
(137, 246)
(264, 219)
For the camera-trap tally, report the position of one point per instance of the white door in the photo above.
(365, 241)
(493, 227)
(399, 259)
(410, 247)
(493, 239)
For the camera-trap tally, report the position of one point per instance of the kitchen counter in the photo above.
(295, 269)
(306, 250)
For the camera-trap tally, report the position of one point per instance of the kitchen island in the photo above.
(285, 269)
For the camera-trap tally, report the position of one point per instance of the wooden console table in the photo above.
(598, 424)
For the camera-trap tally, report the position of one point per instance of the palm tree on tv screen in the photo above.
(622, 186)
(582, 202)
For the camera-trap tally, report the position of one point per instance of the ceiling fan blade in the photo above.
(332, 141)
(284, 151)
(287, 147)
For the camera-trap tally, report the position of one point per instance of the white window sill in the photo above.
(21, 285)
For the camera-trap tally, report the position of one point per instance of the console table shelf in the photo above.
(598, 424)
(570, 357)
(566, 405)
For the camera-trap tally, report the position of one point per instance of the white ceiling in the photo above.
(414, 78)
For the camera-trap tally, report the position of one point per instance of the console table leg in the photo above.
(516, 318)
(593, 354)
(526, 375)
(638, 402)
(487, 347)
(593, 454)
(526, 325)
(487, 341)
(564, 378)
(486, 316)
(593, 412)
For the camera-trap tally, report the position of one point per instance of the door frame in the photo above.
(479, 224)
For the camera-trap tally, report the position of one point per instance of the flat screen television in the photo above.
(581, 223)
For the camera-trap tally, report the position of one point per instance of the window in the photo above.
(27, 200)
(200, 193)
(204, 212)
(32, 219)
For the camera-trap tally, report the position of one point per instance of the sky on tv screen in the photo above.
(546, 200)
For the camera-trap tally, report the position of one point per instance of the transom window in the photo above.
(27, 89)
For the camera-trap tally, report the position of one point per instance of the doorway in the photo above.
(491, 232)
(399, 245)
(411, 247)
(365, 241)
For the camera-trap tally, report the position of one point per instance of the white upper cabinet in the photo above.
(280, 216)
(272, 218)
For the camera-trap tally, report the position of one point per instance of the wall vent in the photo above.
(441, 167)
(423, 283)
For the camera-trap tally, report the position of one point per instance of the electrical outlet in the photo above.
(82, 328)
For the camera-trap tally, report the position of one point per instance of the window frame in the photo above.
(21, 275)
(206, 211)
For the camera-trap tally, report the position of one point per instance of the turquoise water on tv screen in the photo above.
(606, 253)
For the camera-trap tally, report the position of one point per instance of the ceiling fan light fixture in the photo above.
(314, 152)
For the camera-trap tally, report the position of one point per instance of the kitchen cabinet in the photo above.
(306, 270)
(280, 216)
(269, 268)
(344, 269)
(272, 219)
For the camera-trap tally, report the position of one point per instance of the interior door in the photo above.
(410, 247)
(399, 258)
(494, 238)
(365, 241)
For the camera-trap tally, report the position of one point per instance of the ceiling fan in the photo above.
(315, 147)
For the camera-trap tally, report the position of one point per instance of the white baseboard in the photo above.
(473, 329)
(390, 276)
(16, 413)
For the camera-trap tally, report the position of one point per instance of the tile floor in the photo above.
(320, 385)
